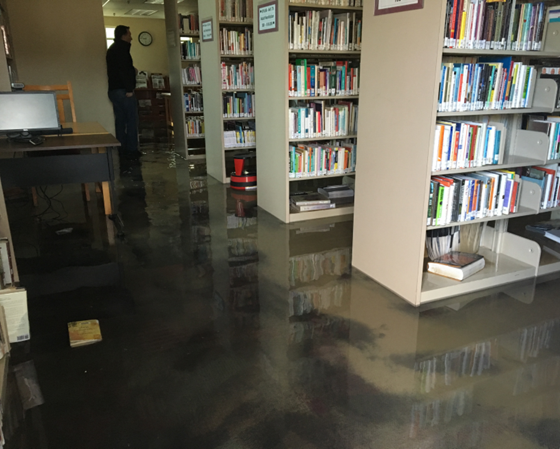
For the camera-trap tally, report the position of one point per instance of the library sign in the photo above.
(392, 6)
(268, 17)
(207, 30)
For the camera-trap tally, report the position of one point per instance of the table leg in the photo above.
(106, 189)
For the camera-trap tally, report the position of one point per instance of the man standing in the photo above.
(122, 82)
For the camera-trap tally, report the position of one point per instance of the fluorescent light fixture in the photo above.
(105, 3)
(140, 12)
(159, 2)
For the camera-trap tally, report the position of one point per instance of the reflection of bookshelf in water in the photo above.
(247, 273)
(310, 267)
(199, 207)
(242, 249)
(306, 300)
(200, 234)
(478, 358)
(234, 222)
(317, 327)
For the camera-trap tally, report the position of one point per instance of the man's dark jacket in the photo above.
(120, 70)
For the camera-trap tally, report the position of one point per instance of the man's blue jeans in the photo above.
(126, 121)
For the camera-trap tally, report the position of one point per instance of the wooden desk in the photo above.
(93, 164)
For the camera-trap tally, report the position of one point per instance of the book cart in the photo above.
(393, 185)
(272, 58)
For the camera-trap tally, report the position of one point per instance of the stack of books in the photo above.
(238, 76)
(487, 84)
(495, 25)
(193, 102)
(548, 178)
(317, 119)
(306, 201)
(238, 134)
(195, 127)
(236, 105)
(326, 78)
(190, 50)
(476, 195)
(322, 160)
(189, 23)
(467, 145)
(236, 42)
(192, 76)
(325, 30)
(339, 194)
(236, 10)
(551, 126)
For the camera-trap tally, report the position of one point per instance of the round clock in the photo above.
(145, 38)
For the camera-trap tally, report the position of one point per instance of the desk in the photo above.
(93, 164)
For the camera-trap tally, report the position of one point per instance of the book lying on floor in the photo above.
(457, 265)
(83, 333)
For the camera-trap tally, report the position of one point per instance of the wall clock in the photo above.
(145, 38)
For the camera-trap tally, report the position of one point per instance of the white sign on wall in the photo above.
(392, 6)
(207, 30)
(268, 17)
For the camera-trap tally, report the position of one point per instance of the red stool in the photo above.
(245, 175)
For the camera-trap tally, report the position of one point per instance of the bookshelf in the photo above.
(417, 38)
(273, 56)
(219, 156)
(185, 143)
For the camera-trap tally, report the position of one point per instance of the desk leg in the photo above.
(106, 188)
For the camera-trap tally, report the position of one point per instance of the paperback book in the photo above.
(457, 265)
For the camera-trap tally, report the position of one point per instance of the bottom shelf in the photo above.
(500, 269)
(326, 213)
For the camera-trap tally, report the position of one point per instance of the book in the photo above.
(6, 268)
(338, 191)
(236, 10)
(14, 301)
(457, 265)
(309, 199)
(553, 234)
(82, 333)
(312, 207)
(238, 76)
(235, 42)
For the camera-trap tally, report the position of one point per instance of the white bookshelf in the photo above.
(272, 58)
(215, 122)
(392, 190)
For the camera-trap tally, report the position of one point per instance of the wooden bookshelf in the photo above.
(176, 65)
(272, 57)
(399, 129)
(215, 122)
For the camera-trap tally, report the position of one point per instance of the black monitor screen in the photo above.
(28, 111)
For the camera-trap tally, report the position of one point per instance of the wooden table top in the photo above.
(86, 135)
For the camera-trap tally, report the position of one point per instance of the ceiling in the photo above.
(120, 8)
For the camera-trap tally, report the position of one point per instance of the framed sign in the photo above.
(392, 6)
(207, 30)
(268, 17)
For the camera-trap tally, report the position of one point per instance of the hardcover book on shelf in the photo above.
(457, 265)
(236, 10)
(336, 191)
(235, 42)
(188, 23)
(326, 78)
(310, 199)
(553, 234)
(238, 76)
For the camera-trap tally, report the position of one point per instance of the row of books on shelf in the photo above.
(192, 76)
(234, 42)
(489, 84)
(460, 144)
(472, 360)
(323, 79)
(195, 126)
(461, 198)
(238, 76)
(548, 178)
(351, 3)
(325, 30)
(193, 102)
(551, 126)
(495, 25)
(190, 50)
(188, 23)
(311, 160)
(320, 119)
(310, 267)
(312, 299)
(328, 197)
(236, 10)
(239, 134)
(238, 104)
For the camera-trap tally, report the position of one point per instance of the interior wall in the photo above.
(152, 58)
(64, 40)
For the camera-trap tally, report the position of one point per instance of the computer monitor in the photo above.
(28, 113)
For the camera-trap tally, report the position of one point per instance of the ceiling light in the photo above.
(140, 12)
(158, 2)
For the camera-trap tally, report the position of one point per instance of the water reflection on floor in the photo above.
(223, 328)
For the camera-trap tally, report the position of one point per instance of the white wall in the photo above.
(64, 40)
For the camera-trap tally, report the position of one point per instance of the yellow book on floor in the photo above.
(83, 333)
